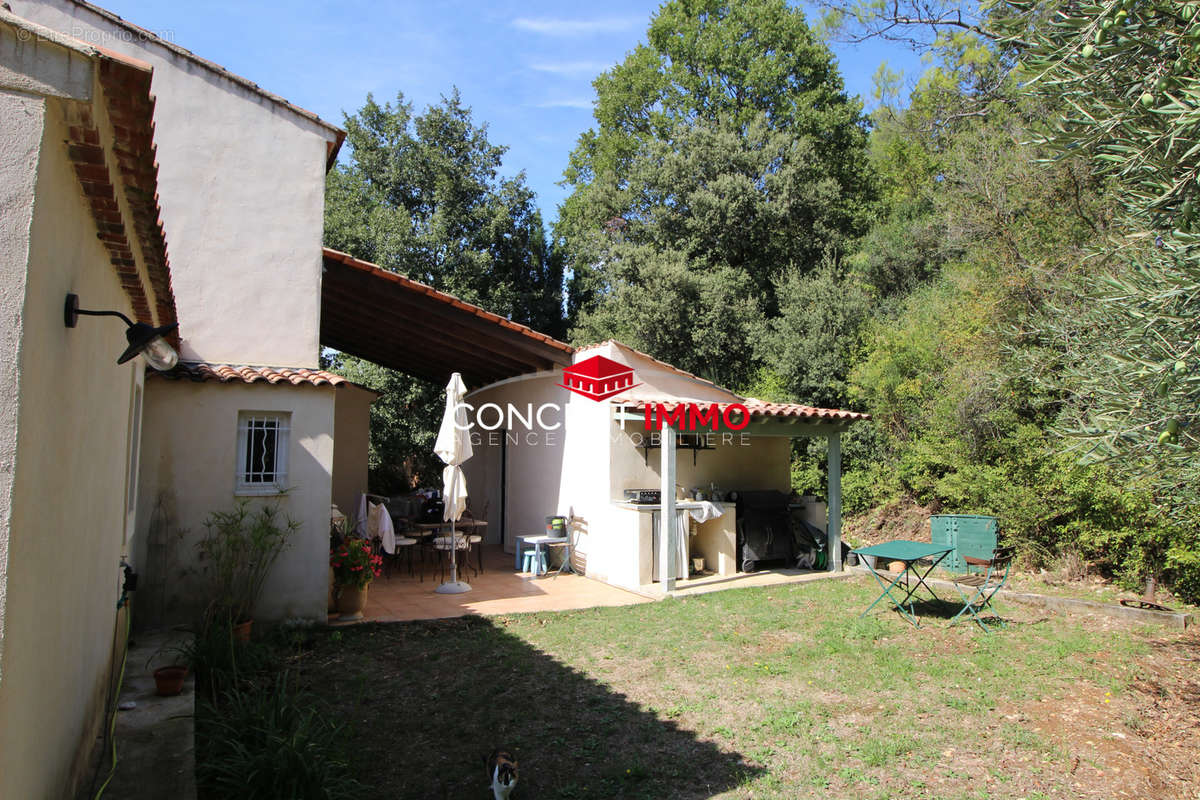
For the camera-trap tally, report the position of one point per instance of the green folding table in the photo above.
(909, 553)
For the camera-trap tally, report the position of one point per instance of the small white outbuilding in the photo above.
(563, 442)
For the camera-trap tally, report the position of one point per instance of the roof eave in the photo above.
(335, 134)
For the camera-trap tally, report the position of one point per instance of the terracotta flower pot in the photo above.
(351, 601)
(241, 631)
(168, 681)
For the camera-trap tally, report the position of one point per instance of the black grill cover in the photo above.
(764, 529)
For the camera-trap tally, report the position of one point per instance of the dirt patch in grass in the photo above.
(1140, 741)
(903, 518)
(762, 693)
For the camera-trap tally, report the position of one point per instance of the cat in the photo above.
(502, 769)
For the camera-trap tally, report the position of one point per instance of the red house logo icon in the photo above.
(598, 378)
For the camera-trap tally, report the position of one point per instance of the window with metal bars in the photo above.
(262, 452)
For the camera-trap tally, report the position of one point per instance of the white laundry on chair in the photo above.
(379, 523)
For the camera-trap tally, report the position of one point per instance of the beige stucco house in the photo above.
(77, 214)
(115, 143)
(112, 144)
(241, 187)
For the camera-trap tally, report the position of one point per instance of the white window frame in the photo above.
(281, 422)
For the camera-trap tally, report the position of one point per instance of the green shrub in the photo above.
(236, 554)
(265, 741)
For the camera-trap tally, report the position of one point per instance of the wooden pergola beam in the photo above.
(408, 340)
(345, 311)
(393, 293)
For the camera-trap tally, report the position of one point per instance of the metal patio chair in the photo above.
(560, 526)
(982, 587)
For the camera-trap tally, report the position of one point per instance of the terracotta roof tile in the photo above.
(760, 408)
(201, 372)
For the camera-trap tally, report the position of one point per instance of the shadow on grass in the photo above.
(425, 702)
(942, 611)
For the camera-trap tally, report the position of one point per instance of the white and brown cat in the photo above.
(502, 769)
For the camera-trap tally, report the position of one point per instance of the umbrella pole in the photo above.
(453, 542)
(453, 586)
(453, 553)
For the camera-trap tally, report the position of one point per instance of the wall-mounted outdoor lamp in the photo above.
(142, 338)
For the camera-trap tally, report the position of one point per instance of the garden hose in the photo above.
(116, 698)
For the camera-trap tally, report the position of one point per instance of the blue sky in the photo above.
(523, 67)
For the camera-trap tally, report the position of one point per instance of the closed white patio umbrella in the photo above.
(453, 446)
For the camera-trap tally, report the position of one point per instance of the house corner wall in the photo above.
(188, 463)
(587, 469)
(19, 149)
(66, 487)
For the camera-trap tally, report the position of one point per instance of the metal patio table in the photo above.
(908, 553)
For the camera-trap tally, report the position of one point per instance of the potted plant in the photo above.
(172, 663)
(354, 567)
(339, 531)
(237, 552)
(168, 681)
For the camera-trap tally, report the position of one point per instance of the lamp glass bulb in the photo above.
(160, 355)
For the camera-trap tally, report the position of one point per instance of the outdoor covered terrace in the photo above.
(402, 324)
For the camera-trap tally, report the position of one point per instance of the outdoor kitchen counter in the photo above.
(680, 505)
(715, 540)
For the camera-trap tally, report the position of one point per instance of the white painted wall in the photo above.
(351, 444)
(534, 460)
(64, 537)
(19, 149)
(241, 182)
(736, 463)
(189, 455)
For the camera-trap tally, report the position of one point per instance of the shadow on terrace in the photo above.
(425, 702)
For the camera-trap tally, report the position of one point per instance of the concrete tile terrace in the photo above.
(497, 590)
(500, 590)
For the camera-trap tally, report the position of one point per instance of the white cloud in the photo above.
(572, 67)
(577, 27)
(568, 103)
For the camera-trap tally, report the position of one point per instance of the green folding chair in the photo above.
(981, 588)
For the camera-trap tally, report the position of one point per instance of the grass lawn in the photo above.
(768, 692)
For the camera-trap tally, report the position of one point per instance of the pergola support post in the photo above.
(834, 521)
(667, 528)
